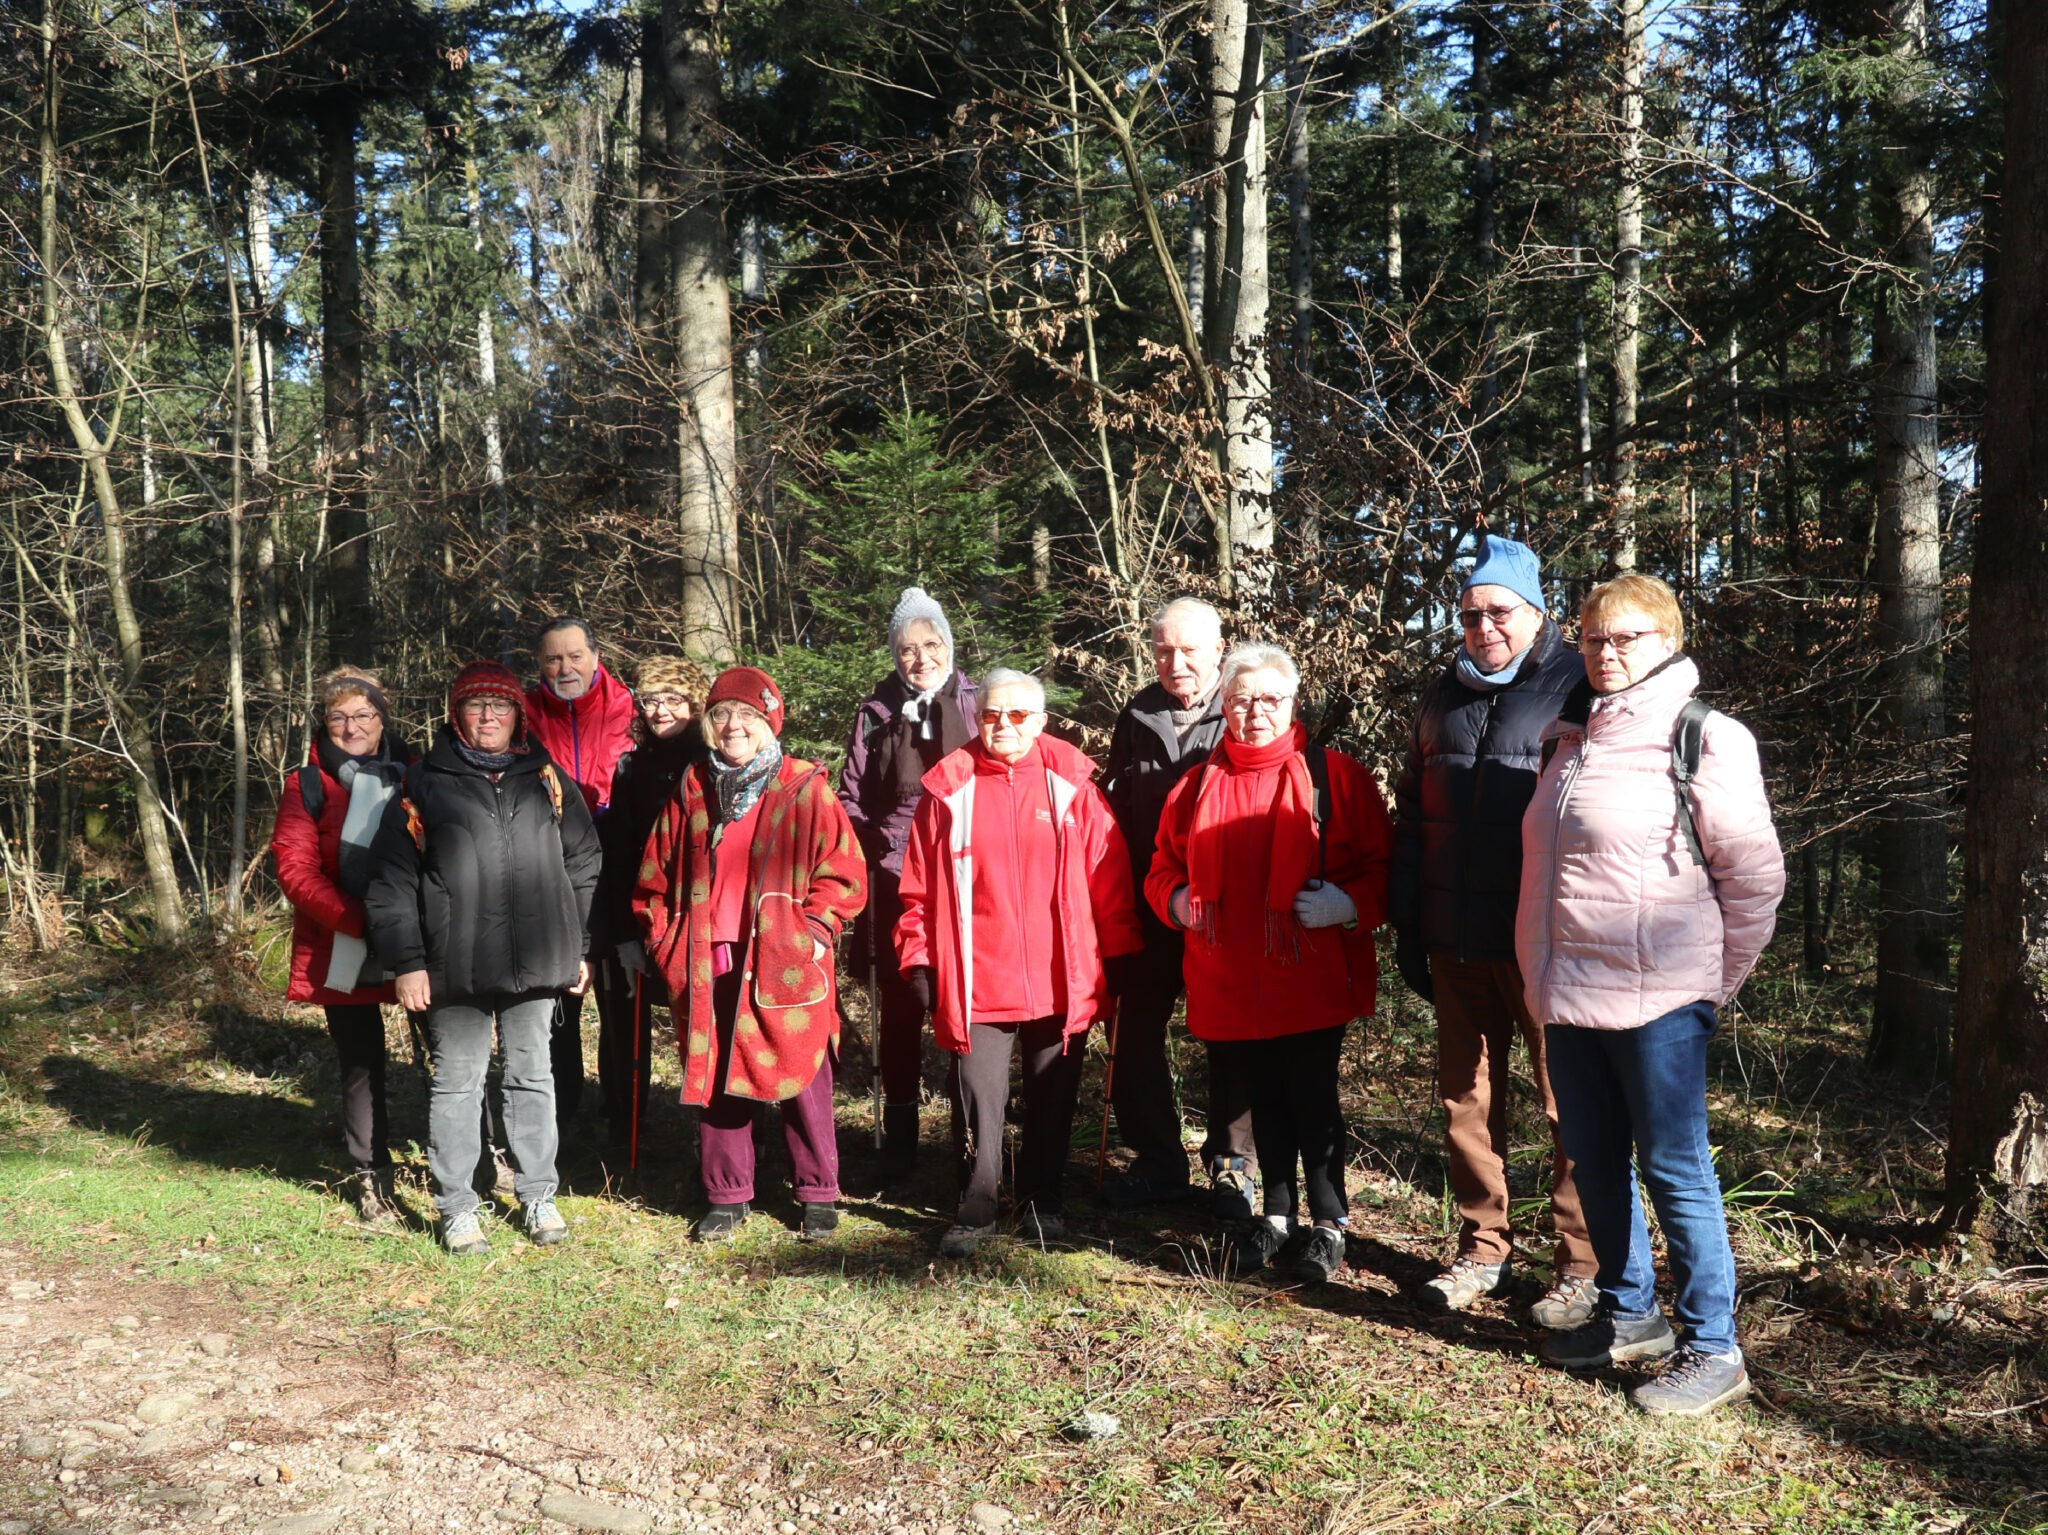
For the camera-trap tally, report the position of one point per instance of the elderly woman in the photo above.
(326, 821)
(749, 877)
(667, 741)
(919, 713)
(1645, 901)
(1018, 924)
(1273, 857)
(480, 902)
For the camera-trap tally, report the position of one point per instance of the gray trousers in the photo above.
(459, 1041)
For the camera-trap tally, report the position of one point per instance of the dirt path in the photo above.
(129, 1407)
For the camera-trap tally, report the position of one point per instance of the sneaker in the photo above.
(544, 1223)
(463, 1235)
(1321, 1256)
(1569, 1303)
(720, 1224)
(1609, 1339)
(820, 1220)
(1252, 1248)
(1465, 1283)
(1128, 1190)
(1694, 1383)
(1230, 1189)
(961, 1239)
(375, 1203)
(1040, 1226)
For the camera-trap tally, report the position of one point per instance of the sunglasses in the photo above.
(1014, 716)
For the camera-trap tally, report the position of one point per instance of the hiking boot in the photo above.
(463, 1235)
(1569, 1303)
(961, 1239)
(899, 1142)
(1128, 1190)
(1321, 1257)
(375, 1204)
(1610, 1339)
(1694, 1383)
(1252, 1248)
(1230, 1189)
(544, 1223)
(720, 1224)
(1465, 1283)
(820, 1220)
(504, 1182)
(1040, 1226)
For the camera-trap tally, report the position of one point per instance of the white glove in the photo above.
(1324, 905)
(633, 957)
(1177, 907)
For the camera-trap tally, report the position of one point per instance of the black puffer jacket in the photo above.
(643, 782)
(494, 898)
(1146, 759)
(1473, 758)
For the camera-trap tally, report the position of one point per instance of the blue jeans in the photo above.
(1646, 1089)
(459, 1039)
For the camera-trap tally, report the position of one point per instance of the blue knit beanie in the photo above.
(1503, 562)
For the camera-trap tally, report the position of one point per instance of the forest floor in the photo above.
(197, 1335)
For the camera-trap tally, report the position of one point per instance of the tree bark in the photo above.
(1479, 22)
(1300, 229)
(1909, 1019)
(707, 498)
(351, 633)
(1628, 285)
(650, 455)
(2001, 1033)
(261, 377)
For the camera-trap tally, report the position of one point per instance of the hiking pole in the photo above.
(639, 1070)
(1108, 1092)
(875, 1020)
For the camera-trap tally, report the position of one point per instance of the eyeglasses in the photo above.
(666, 703)
(921, 648)
(725, 713)
(361, 719)
(488, 708)
(1593, 644)
(1498, 617)
(1261, 703)
(1016, 717)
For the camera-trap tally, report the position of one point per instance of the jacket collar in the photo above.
(443, 757)
(1153, 708)
(604, 695)
(1542, 651)
(1057, 758)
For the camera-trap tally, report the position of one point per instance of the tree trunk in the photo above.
(351, 635)
(1628, 285)
(1998, 1141)
(1484, 36)
(1582, 381)
(1390, 113)
(707, 501)
(1909, 1020)
(649, 456)
(1235, 290)
(1300, 232)
(262, 376)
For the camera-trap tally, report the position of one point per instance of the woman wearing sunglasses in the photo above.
(1017, 919)
(1279, 898)
(749, 878)
(1644, 904)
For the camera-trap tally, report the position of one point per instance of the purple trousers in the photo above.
(725, 1131)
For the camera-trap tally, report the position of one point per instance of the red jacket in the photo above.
(805, 878)
(308, 856)
(586, 738)
(1247, 982)
(956, 858)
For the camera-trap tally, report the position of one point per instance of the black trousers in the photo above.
(565, 1055)
(900, 1034)
(357, 1029)
(620, 1029)
(1295, 1116)
(980, 1089)
(1147, 1119)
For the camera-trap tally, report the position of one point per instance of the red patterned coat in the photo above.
(806, 879)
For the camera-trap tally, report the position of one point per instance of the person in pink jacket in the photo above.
(1632, 932)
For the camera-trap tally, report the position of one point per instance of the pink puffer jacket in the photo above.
(1616, 924)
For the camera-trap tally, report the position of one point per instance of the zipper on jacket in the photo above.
(1471, 809)
(1567, 781)
(505, 868)
(1017, 871)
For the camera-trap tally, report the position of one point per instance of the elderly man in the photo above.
(1473, 759)
(1017, 912)
(1168, 728)
(584, 716)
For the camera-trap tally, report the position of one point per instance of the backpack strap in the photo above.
(1688, 738)
(415, 826)
(312, 792)
(1318, 762)
(552, 781)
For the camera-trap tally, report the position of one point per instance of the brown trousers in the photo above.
(1479, 1008)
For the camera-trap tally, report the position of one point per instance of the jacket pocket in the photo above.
(787, 972)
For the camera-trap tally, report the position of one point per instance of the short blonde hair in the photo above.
(1636, 594)
(351, 682)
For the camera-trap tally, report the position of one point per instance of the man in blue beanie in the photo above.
(1473, 758)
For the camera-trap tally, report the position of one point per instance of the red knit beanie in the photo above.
(487, 679)
(751, 686)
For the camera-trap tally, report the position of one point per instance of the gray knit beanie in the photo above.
(916, 603)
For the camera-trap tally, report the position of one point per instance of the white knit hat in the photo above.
(916, 603)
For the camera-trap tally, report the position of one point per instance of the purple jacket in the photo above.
(880, 803)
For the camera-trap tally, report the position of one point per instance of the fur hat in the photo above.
(672, 674)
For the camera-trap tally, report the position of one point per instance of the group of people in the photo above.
(1581, 854)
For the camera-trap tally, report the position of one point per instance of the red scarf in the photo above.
(1288, 823)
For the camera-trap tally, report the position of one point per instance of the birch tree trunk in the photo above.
(1628, 288)
(269, 621)
(701, 315)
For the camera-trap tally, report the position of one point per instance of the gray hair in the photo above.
(1187, 607)
(1009, 677)
(1259, 658)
